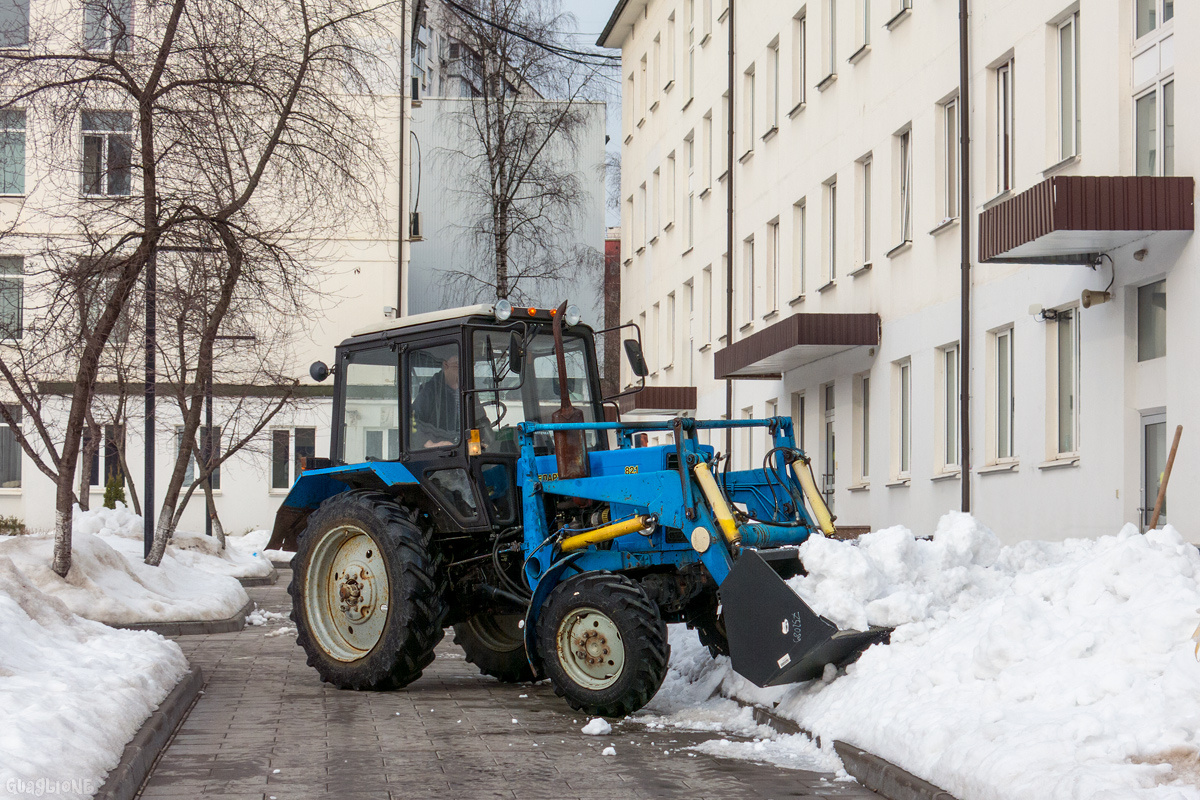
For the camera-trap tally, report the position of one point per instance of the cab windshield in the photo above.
(501, 406)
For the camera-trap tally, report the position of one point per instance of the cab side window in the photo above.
(371, 418)
(434, 397)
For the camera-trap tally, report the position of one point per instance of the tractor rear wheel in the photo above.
(496, 644)
(603, 644)
(367, 592)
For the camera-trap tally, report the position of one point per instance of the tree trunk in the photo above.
(501, 232)
(85, 473)
(133, 495)
(211, 507)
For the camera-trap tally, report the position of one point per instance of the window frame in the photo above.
(104, 169)
(1005, 395)
(902, 443)
(293, 454)
(1157, 91)
(771, 282)
(951, 163)
(1064, 316)
(904, 178)
(15, 281)
(799, 59)
(950, 428)
(799, 248)
(1005, 136)
(8, 128)
(119, 43)
(1073, 113)
(1145, 353)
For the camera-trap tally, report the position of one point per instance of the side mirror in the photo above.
(319, 371)
(637, 361)
(516, 353)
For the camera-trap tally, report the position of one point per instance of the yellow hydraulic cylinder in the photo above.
(720, 508)
(815, 501)
(603, 534)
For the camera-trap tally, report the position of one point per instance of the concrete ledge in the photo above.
(873, 772)
(195, 627)
(281, 564)
(140, 754)
(265, 580)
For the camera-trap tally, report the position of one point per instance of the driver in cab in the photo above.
(437, 409)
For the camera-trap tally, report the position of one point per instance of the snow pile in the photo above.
(597, 727)
(107, 586)
(72, 692)
(122, 529)
(260, 616)
(1041, 670)
(254, 543)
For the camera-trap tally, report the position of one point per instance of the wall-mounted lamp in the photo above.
(1043, 314)
(1091, 298)
(1140, 255)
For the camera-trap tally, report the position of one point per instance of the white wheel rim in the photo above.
(590, 648)
(346, 593)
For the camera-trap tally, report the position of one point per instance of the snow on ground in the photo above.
(122, 529)
(72, 692)
(254, 543)
(115, 586)
(1041, 670)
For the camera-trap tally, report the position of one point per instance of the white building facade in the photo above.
(846, 257)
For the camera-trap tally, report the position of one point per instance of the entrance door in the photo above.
(1154, 461)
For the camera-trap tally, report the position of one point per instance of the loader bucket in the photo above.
(774, 637)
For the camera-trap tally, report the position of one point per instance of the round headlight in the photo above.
(502, 310)
(572, 316)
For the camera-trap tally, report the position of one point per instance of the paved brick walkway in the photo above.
(266, 727)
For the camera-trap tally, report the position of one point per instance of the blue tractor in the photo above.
(474, 482)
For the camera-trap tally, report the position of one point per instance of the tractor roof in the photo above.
(423, 319)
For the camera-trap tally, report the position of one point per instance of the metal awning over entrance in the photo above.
(795, 341)
(1073, 219)
(659, 400)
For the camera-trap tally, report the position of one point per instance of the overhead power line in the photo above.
(589, 59)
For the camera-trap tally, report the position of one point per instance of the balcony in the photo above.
(1073, 219)
(663, 400)
(795, 341)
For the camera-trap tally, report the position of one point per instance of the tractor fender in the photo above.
(315, 486)
(545, 585)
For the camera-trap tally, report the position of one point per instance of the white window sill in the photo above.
(904, 14)
(859, 487)
(12, 491)
(706, 39)
(278, 492)
(796, 109)
(670, 224)
(1060, 166)
(770, 134)
(689, 250)
(654, 106)
(944, 225)
(865, 268)
(797, 300)
(827, 81)
(997, 200)
(687, 104)
(746, 327)
(628, 138)
(900, 248)
(668, 86)
(832, 284)
(746, 156)
(641, 122)
(628, 261)
(640, 250)
(723, 176)
(859, 54)
(999, 466)
(947, 475)
(1059, 462)
(704, 348)
(654, 239)
(893, 484)
(770, 315)
(705, 192)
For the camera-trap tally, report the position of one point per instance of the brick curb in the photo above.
(877, 774)
(195, 627)
(261, 580)
(139, 755)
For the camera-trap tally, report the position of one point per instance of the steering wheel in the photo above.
(501, 409)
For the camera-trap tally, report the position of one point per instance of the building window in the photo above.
(12, 151)
(14, 23)
(798, 418)
(107, 25)
(654, 338)
(864, 169)
(690, 211)
(903, 427)
(670, 77)
(1068, 87)
(748, 281)
(1067, 384)
(748, 109)
(656, 69)
(799, 248)
(950, 405)
(670, 337)
(107, 153)
(12, 297)
(706, 288)
(1005, 397)
(286, 459)
(111, 446)
(1152, 321)
(950, 165)
(864, 24)
(668, 199)
(799, 54)
(1155, 120)
(830, 37)
(772, 278)
(630, 92)
(1150, 11)
(706, 21)
(689, 293)
(708, 151)
(863, 423)
(904, 185)
(773, 86)
(643, 233)
(748, 440)
(691, 39)
(831, 228)
(654, 209)
(206, 441)
(1004, 127)
(10, 452)
(829, 462)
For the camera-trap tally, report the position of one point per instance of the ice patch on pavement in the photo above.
(1046, 669)
(792, 751)
(597, 727)
(72, 692)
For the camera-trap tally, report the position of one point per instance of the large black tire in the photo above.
(361, 545)
(603, 644)
(496, 644)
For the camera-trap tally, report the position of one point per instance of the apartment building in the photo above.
(839, 302)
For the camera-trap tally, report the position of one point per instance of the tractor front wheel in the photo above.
(496, 644)
(603, 644)
(367, 592)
